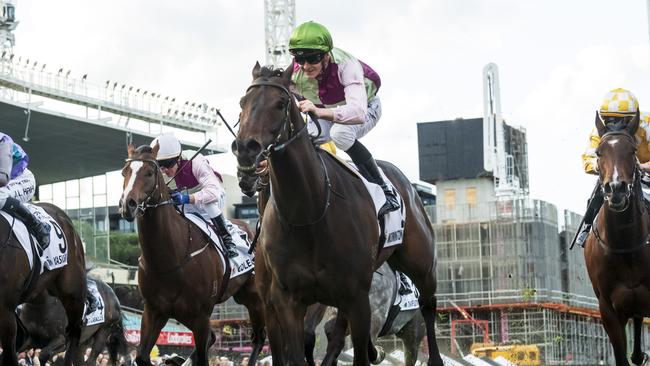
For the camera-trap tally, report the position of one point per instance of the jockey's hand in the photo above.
(307, 106)
(180, 198)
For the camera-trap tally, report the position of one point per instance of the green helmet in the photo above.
(311, 36)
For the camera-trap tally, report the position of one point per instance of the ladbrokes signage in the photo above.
(165, 338)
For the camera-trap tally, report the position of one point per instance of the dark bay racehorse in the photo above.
(45, 322)
(617, 252)
(319, 238)
(408, 325)
(18, 284)
(180, 273)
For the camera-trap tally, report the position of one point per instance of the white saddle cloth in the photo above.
(56, 254)
(240, 264)
(97, 316)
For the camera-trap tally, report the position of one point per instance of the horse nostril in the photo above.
(131, 204)
(253, 147)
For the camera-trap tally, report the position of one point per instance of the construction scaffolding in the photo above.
(511, 266)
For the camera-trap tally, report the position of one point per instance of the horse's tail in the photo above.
(116, 343)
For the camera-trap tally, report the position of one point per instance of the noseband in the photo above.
(277, 145)
(144, 205)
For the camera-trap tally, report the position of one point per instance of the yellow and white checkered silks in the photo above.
(619, 103)
(589, 158)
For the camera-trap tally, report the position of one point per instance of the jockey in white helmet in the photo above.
(206, 194)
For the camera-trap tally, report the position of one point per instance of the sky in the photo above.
(556, 61)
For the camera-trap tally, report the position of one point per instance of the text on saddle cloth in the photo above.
(244, 262)
(407, 294)
(97, 316)
(56, 255)
(394, 225)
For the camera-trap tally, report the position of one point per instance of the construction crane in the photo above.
(279, 21)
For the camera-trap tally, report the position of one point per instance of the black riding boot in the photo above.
(593, 206)
(220, 223)
(41, 230)
(368, 168)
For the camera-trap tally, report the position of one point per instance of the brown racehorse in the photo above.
(180, 272)
(45, 321)
(319, 238)
(617, 252)
(17, 286)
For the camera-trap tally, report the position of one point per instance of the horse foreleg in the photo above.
(202, 335)
(637, 355)
(291, 316)
(426, 284)
(275, 332)
(249, 296)
(358, 315)
(411, 335)
(8, 337)
(315, 314)
(56, 345)
(335, 330)
(73, 303)
(615, 328)
(150, 328)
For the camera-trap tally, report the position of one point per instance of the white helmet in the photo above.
(169, 147)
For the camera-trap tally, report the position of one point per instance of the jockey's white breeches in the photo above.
(344, 135)
(21, 188)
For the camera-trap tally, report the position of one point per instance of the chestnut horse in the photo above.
(180, 273)
(617, 252)
(319, 236)
(19, 285)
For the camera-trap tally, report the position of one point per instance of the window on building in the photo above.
(450, 199)
(470, 196)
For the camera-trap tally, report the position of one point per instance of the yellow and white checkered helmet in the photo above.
(619, 103)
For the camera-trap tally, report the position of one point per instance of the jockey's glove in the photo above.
(180, 198)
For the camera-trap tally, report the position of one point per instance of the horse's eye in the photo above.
(124, 173)
(282, 104)
(598, 153)
(149, 174)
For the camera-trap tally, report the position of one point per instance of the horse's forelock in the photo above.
(142, 150)
(267, 72)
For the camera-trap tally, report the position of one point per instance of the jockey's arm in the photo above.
(589, 158)
(211, 188)
(356, 99)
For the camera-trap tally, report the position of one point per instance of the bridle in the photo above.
(276, 145)
(144, 205)
(636, 177)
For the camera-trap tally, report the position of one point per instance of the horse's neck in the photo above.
(627, 228)
(156, 230)
(297, 178)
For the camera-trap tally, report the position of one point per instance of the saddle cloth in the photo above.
(394, 220)
(56, 254)
(409, 300)
(242, 263)
(97, 316)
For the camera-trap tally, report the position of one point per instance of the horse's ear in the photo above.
(155, 149)
(256, 70)
(633, 125)
(600, 125)
(286, 75)
(130, 150)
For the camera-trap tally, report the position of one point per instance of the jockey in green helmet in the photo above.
(341, 91)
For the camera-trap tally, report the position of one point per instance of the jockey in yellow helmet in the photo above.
(617, 109)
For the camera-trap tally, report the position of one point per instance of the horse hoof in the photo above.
(381, 355)
(643, 361)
